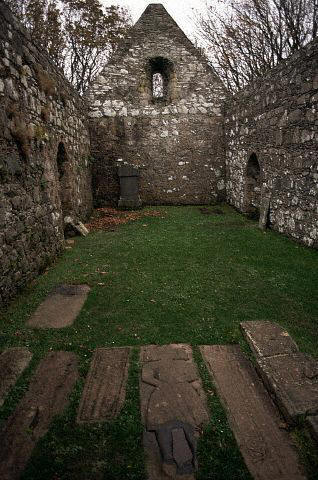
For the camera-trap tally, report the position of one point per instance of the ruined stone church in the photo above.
(159, 112)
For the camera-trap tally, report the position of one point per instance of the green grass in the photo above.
(187, 277)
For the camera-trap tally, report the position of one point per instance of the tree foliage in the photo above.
(79, 35)
(245, 38)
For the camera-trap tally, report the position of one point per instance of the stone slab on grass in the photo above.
(12, 363)
(60, 308)
(46, 397)
(267, 450)
(173, 409)
(105, 387)
(268, 339)
(293, 379)
(313, 425)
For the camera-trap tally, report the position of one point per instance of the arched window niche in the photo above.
(253, 185)
(160, 73)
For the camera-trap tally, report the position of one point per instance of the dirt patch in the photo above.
(47, 396)
(267, 450)
(12, 363)
(60, 308)
(105, 386)
(109, 218)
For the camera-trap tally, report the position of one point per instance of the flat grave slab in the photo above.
(268, 339)
(47, 396)
(12, 363)
(267, 450)
(60, 308)
(105, 387)
(173, 409)
(293, 379)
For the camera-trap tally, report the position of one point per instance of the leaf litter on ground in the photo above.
(108, 218)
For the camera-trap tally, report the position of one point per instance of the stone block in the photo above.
(60, 308)
(293, 380)
(12, 363)
(46, 397)
(105, 386)
(268, 339)
(268, 450)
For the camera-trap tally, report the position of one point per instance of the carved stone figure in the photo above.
(174, 410)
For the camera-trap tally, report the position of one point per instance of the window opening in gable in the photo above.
(157, 85)
(160, 72)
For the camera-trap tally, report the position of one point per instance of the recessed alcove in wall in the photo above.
(62, 162)
(160, 73)
(253, 184)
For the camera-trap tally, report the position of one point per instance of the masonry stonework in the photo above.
(158, 109)
(176, 140)
(44, 157)
(275, 120)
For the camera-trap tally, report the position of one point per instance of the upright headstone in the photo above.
(264, 213)
(129, 186)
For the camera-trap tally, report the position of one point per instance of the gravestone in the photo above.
(47, 396)
(60, 308)
(267, 449)
(129, 186)
(12, 363)
(105, 387)
(173, 409)
(264, 213)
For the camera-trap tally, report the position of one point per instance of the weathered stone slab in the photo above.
(173, 409)
(264, 213)
(105, 386)
(77, 227)
(60, 308)
(47, 396)
(12, 363)
(313, 425)
(267, 450)
(268, 339)
(293, 379)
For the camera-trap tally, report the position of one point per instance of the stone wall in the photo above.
(275, 121)
(44, 157)
(177, 139)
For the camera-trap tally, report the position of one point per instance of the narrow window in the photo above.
(157, 85)
(160, 72)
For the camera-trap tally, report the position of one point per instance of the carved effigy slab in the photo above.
(105, 386)
(293, 379)
(268, 339)
(12, 363)
(267, 450)
(46, 397)
(60, 308)
(173, 409)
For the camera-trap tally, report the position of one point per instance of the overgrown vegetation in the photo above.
(79, 35)
(245, 38)
(186, 277)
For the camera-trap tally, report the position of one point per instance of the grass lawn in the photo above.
(181, 277)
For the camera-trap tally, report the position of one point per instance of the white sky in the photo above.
(182, 11)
